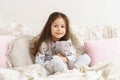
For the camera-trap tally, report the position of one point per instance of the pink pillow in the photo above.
(5, 41)
(102, 50)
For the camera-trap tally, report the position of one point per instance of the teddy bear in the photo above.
(64, 48)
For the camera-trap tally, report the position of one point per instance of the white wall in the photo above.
(79, 11)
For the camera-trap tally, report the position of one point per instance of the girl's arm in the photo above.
(41, 55)
(62, 57)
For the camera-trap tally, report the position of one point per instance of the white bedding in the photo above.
(36, 72)
(106, 71)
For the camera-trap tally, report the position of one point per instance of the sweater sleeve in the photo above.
(42, 57)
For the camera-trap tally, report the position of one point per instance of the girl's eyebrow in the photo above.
(61, 24)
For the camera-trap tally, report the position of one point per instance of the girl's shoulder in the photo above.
(43, 43)
(43, 47)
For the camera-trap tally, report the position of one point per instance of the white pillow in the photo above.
(20, 54)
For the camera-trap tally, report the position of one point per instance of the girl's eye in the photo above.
(62, 26)
(55, 26)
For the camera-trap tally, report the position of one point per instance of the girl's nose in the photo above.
(59, 28)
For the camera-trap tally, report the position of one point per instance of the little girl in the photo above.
(56, 29)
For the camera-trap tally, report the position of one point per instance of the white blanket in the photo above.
(36, 72)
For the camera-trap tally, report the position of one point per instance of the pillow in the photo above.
(10, 28)
(20, 54)
(5, 42)
(102, 50)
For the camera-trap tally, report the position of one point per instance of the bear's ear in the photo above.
(70, 44)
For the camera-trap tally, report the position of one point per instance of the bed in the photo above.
(100, 42)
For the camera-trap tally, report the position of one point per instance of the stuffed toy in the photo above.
(64, 48)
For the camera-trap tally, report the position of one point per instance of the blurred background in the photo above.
(36, 12)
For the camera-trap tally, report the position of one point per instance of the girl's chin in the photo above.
(59, 37)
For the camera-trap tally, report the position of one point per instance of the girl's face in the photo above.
(58, 29)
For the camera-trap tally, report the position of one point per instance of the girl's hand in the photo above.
(62, 57)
